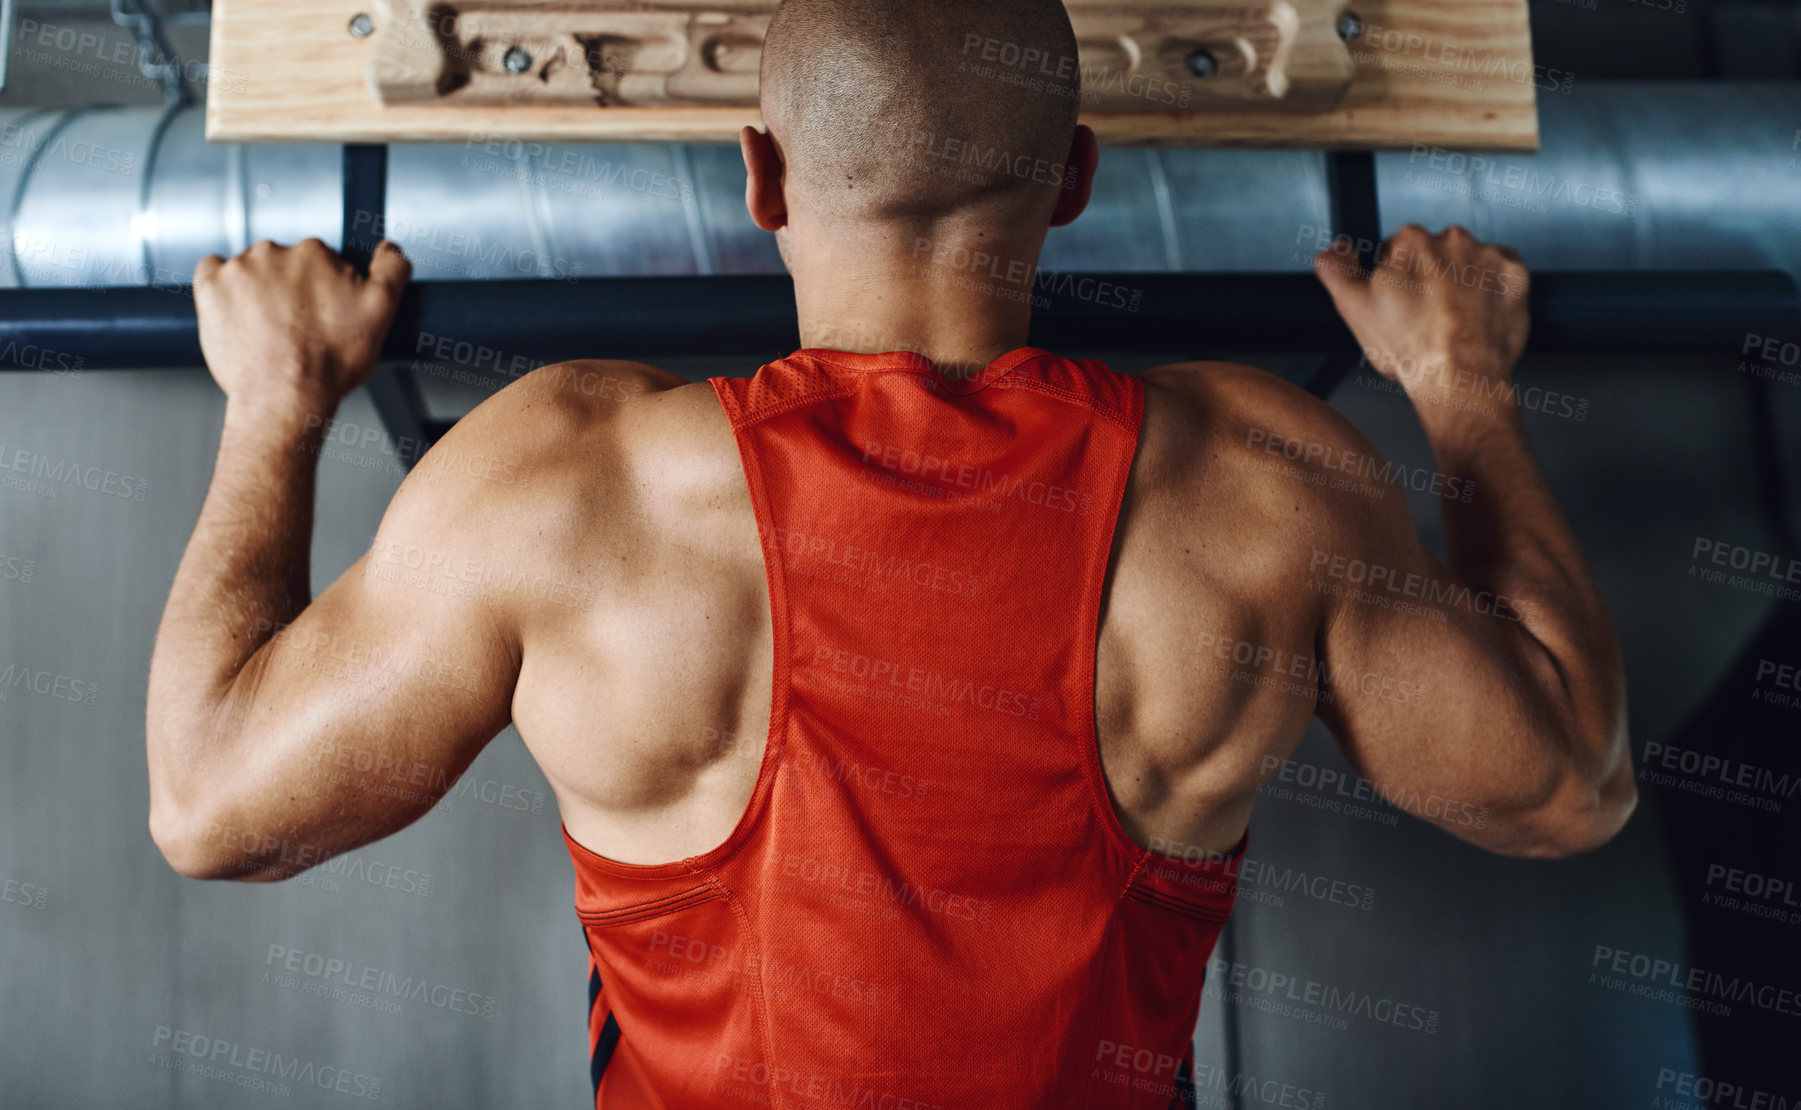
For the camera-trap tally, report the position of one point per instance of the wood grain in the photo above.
(1450, 73)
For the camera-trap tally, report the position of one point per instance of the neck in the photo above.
(961, 297)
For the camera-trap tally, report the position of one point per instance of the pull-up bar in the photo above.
(753, 317)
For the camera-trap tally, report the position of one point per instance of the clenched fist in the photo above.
(1436, 309)
(288, 329)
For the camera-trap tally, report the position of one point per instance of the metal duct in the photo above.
(1630, 177)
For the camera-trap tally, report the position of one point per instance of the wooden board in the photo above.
(1131, 55)
(1447, 73)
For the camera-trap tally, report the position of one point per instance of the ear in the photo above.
(763, 180)
(1078, 176)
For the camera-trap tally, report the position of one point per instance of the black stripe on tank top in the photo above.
(603, 1053)
(1186, 1095)
(609, 1035)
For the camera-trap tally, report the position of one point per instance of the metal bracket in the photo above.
(156, 60)
(1357, 216)
(394, 390)
(1767, 441)
(365, 202)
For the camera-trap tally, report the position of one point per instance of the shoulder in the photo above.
(568, 397)
(559, 420)
(540, 471)
(1241, 410)
(571, 416)
(1270, 451)
(1229, 395)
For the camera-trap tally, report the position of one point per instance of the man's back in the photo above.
(649, 715)
(929, 863)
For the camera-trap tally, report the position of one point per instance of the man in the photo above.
(866, 686)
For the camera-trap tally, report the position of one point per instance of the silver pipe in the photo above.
(1631, 176)
(6, 39)
(1695, 175)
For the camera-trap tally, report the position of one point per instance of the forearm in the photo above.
(1511, 540)
(245, 573)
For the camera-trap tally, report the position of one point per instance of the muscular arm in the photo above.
(280, 730)
(1487, 695)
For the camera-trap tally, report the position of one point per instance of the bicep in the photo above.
(353, 721)
(1432, 686)
(1434, 689)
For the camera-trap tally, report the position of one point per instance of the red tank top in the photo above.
(929, 901)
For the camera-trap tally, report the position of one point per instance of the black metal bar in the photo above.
(1771, 462)
(1356, 207)
(1357, 216)
(365, 202)
(393, 390)
(506, 324)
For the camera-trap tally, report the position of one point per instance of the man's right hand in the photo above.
(295, 328)
(1434, 307)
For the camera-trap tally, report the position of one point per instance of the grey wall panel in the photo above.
(475, 897)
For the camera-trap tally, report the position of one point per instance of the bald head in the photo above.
(922, 109)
